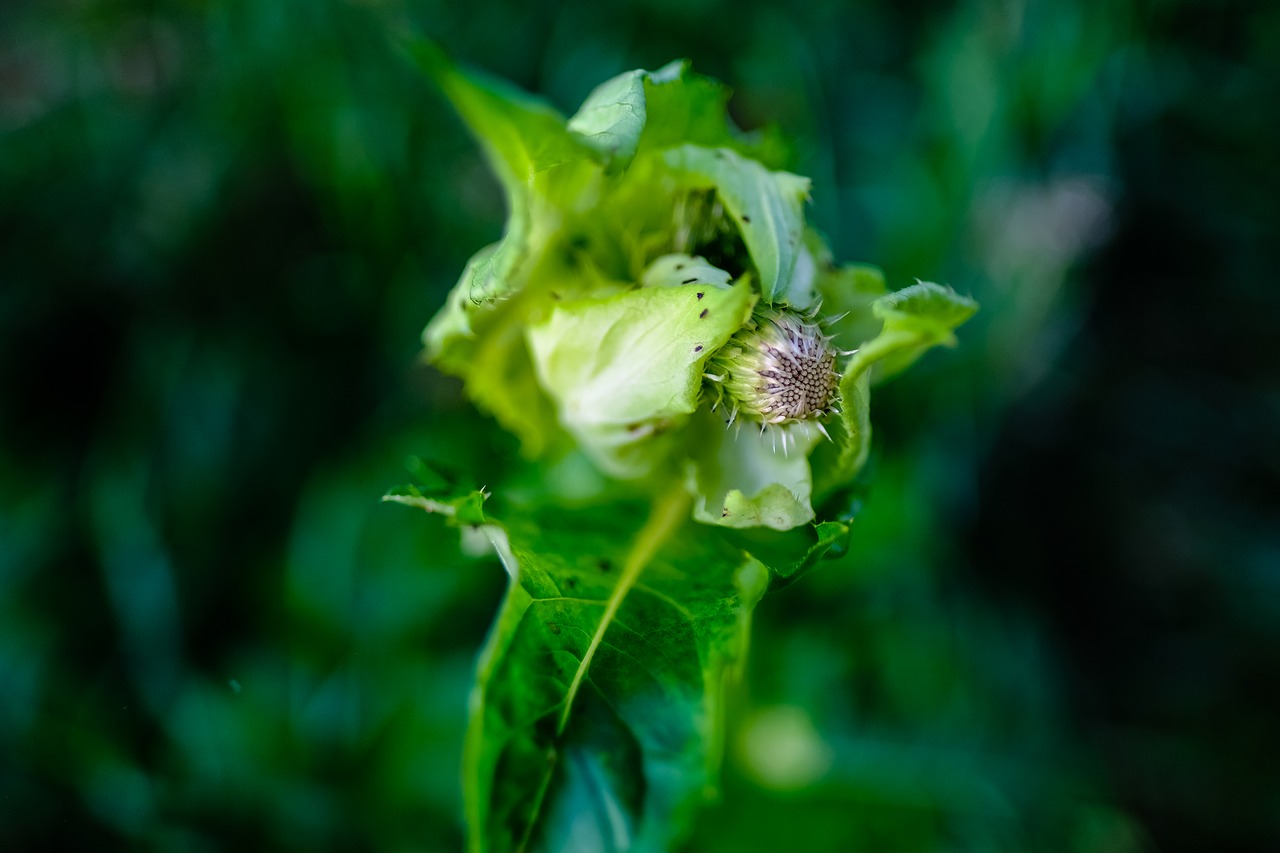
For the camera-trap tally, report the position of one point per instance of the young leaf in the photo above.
(768, 208)
(914, 319)
(628, 366)
(688, 108)
(848, 294)
(742, 478)
(653, 110)
(439, 493)
(794, 553)
(484, 344)
(679, 270)
(612, 117)
(522, 136)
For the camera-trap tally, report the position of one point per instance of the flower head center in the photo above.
(779, 369)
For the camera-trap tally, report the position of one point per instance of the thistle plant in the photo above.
(658, 320)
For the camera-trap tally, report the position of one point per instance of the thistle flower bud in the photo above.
(778, 369)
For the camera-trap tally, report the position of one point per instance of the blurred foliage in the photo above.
(224, 224)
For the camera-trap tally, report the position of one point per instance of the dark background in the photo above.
(223, 225)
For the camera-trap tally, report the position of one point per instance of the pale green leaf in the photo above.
(652, 110)
(742, 477)
(678, 270)
(848, 294)
(449, 338)
(688, 108)
(483, 343)
(538, 163)
(913, 319)
(468, 509)
(612, 117)
(627, 369)
(521, 134)
(766, 206)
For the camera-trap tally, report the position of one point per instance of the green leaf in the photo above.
(768, 208)
(484, 344)
(913, 319)
(848, 293)
(679, 270)
(839, 462)
(450, 337)
(439, 492)
(522, 136)
(597, 721)
(688, 108)
(541, 167)
(626, 370)
(794, 553)
(742, 477)
(916, 319)
(612, 117)
(653, 110)
(573, 232)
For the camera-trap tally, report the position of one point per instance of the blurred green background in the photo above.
(223, 225)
